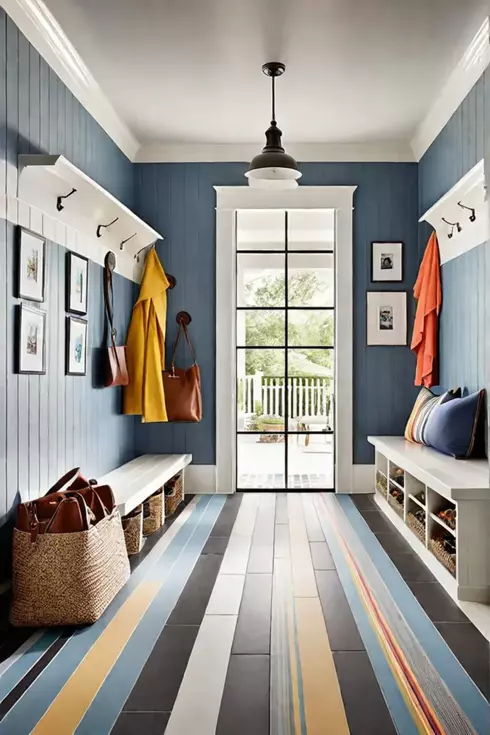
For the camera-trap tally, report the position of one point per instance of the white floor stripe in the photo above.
(236, 556)
(226, 595)
(21, 650)
(198, 702)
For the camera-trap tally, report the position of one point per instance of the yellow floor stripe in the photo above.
(69, 707)
(324, 708)
(304, 583)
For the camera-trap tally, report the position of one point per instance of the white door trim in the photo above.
(228, 200)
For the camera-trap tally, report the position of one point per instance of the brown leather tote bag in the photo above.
(182, 388)
(116, 371)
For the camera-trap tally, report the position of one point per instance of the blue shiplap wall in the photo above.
(463, 324)
(179, 200)
(53, 422)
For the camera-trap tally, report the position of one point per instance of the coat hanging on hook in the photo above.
(145, 345)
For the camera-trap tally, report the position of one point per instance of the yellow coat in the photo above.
(145, 346)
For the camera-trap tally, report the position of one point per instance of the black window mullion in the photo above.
(286, 353)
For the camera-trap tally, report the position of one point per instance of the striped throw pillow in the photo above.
(423, 407)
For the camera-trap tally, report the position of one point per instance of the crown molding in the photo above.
(397, 152)
(459, 84)
(43, 31)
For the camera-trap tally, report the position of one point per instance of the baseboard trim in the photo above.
(200, 479)
(363, 478)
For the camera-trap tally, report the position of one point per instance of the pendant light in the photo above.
(273, 169)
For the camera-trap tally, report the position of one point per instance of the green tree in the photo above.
(312, 328)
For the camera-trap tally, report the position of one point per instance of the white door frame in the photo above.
(228, 200)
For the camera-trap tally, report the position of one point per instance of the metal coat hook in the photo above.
(59, 205)
(470, 209)
(123, 242)
(150, 247)
(104, 227)
(452, 225)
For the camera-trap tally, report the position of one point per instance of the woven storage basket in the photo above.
(67, 578)
(174, 494)
(381, 484)
(444, 556)
(153, 513)
(133, 531)
(417, 526)
(397, 507)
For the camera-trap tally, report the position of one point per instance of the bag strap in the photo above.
(85, 511)
(182, 328)
(65, 481)
(109, 309)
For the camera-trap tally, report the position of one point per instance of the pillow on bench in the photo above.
(455, 428)
(424, 406)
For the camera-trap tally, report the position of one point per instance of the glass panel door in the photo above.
(285, 349)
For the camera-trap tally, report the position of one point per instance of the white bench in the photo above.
(463, 484)
(135, 481)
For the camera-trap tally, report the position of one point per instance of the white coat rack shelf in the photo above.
(60, 190)
(461, 217)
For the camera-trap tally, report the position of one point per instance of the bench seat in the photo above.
(135, 481)
(455, 479)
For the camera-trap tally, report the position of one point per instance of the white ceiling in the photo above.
(189, 71)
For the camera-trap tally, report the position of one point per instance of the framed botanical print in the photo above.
(31, 340)
(76, 283)
(387, 318)
(386, 261)
(31, 265)
(76, 346)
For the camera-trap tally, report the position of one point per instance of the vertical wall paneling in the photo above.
(463, 323)
(179, 199)
(53, 422)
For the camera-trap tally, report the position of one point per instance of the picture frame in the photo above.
(31, 265)
(387, 318)
(76, 346)
(31, 340)
(386, 262)
(77, 269)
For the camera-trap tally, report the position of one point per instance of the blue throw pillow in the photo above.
(452, 427)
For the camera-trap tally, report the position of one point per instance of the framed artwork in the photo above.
(76, 283)
(76, 346)
(386, 261)
(387, 318)
(31, 265)
(31, 336)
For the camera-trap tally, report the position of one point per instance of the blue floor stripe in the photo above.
(397, 708)
(108, 703)
(15, 673)
(34, 703)
(464, 691)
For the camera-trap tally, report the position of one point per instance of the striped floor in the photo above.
(298, 614)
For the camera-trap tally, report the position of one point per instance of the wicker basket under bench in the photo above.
(147, 490)
(444, 514)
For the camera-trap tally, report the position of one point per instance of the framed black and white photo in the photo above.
(76, 346)
(387, 318)
(386, 261)
(31, 265)
(31, 340)
(76, 283)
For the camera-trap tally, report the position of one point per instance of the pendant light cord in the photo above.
(273, 121)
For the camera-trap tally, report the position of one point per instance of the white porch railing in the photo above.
(307, 396)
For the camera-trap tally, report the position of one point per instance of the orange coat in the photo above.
(428, 292)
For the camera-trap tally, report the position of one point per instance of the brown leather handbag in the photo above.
(116, 370)
(182, 388)
(73, 504)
